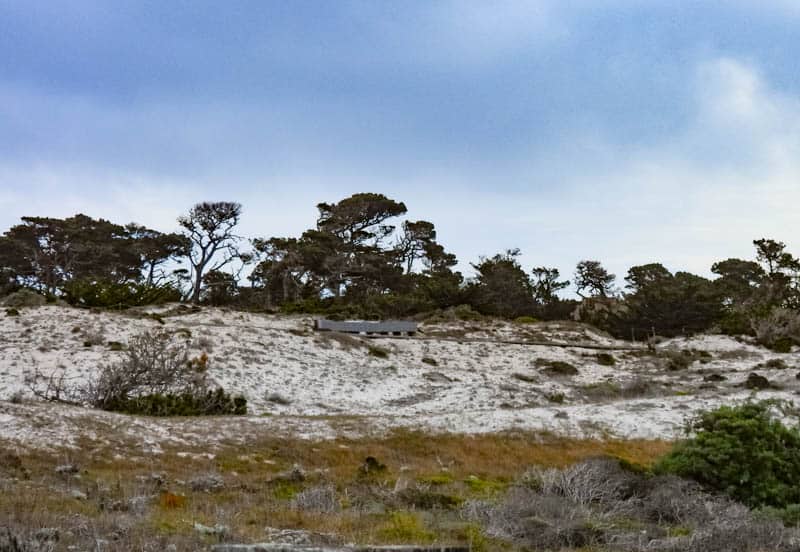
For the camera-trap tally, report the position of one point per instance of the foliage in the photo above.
(778, 330)
(666, 304)
(106, 294)
(211, 403)
(501, 287)
(606, 359)
(208, 227)
(406, 527)
(157, 378)
(46, 254)
(592, 277)
(743, 451)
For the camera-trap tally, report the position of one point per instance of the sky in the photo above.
(623, 131)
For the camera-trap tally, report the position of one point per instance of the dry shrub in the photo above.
(321, 499)
(345, 341)
(779, 330)
(594, 481)
(536, 521)
(171, 501)
(154, 363)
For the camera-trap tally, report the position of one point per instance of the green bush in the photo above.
(606, 359)
(115, 295)
(743, 451)
(525, 320)
(212, 403)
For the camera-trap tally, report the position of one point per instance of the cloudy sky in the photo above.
(626, 131)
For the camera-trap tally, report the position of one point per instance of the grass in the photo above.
(257, 495)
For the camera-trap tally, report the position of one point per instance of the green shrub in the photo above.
(12, 312)
(378, 352)
(557, 367)
(406, 527)
(525, 320)
(677, 360)
(743, 451)
(115, 295)
(212, 403)
(606, 359)
(24, 298)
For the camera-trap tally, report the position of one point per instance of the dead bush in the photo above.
(153, 364)
(674, 501)
(594, 481)
(779, 330)
(321, 499)
(536, 521)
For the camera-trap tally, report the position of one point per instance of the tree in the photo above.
(47, 253)
(360, 218)
(501, 287)
(415, 242)
(738, 280)
(219, 288)
(156, 248)
(209, 228)
(546, 285)
(668, 304)
(592, 277)
(774, 255)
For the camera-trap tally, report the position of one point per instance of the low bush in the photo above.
(24, 298)
(606, 359)
(525, 320)
(378, 352)
(779, 330)
(744, 451)
(210, 403)
(118, 295)
(557, 367)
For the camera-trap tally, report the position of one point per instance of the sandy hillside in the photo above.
(455, 376)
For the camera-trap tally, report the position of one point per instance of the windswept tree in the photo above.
(501, 287)
(592, 278)
(209, 228)
(48, 253)
(781, 286)
(360, 218)
(415, 242)
(155, 249)
(546, 284)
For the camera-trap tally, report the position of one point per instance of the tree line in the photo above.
(360, 259)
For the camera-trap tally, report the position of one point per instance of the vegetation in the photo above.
(363, 259)
(744, 451)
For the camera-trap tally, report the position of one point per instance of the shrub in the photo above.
(12, 312)
(321, 499)
(677, 360)
(557, 367)
(156, 377)
(606, 359)
(743, 451)
(525, 320)
(779, 330)
(118, 295)
(24, 298)
(406, 527)
(378, 352)
(210, 403)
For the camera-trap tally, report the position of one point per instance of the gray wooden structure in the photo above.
(384, 327)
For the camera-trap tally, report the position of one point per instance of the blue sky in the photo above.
(626, 131)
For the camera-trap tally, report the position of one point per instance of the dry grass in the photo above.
(146, 502)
